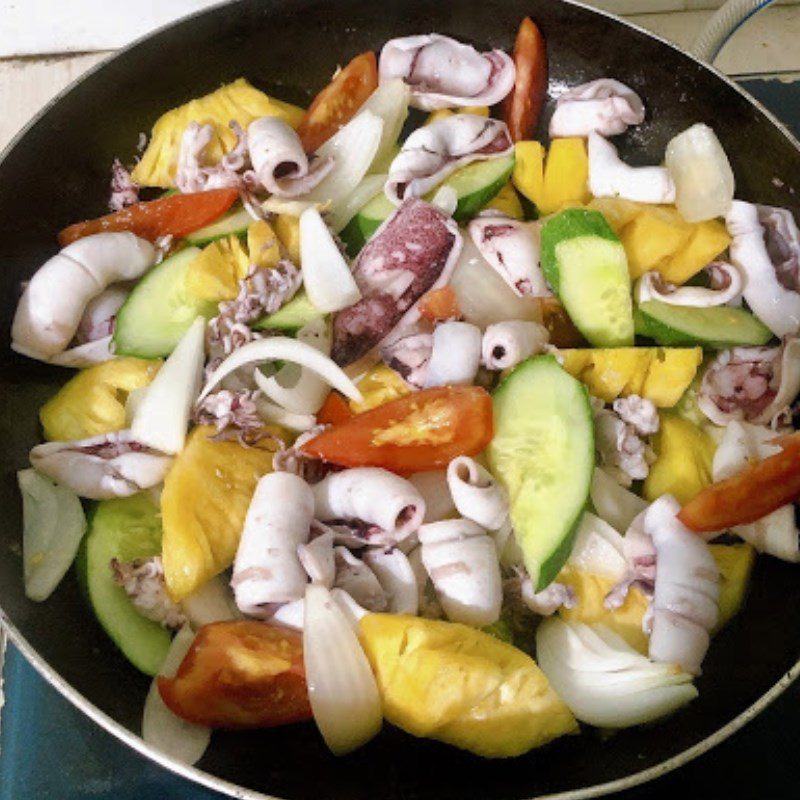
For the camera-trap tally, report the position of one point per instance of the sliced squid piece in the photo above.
(317, 559)
(476, 494)
(194, 174)
(605, 106)
(435, 151)
(753, 384)
(609, 176)
(98, 317)
(80, 357)
(52, 306)
(777, 533)
(410, 356)
(511, 248)
(461, 560)
(279, 161)
(383, 500)
(687, 586)
(549, 600)
(435, 490)
(444, 73)
(726, 286)
(506, 344)
(455, 355)
(396, 576)
(359, 581)
(101, 467)
(414, 251)
(766, 248)
(267, 570)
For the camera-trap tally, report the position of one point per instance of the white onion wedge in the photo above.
(353, 149)
(614, 503)
(599, 549)
(162, 417)
(389, 102)
(329, 284)
(53, 524)
(341, 687)
(282, 348)
(184, 741)
(292, 615)
(212, 602)
(348, 207)
(294, 388)
(446, 200)
(270, 412)
(483, 296)
(603, 680)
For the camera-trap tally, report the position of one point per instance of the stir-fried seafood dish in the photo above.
(410, 407)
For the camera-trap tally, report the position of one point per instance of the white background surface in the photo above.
(89, 29)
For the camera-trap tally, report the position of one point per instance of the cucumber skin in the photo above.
(220, 229)
(663, 334)
(147, 659)
(297, 313)
(550, 568)
(360, 229)
(570, 224)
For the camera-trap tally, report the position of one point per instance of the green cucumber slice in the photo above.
(234, 222)
(475, 185)
(159, 310)
(585, 263)
(713, 328)
(543, 453)
(297, 313)
(125, 529)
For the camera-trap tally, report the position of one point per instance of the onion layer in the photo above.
(342, 690)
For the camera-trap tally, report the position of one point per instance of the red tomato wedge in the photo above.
(439, 305)
(176, 215)
(521, 109)
(339, 101)
(240, 674)
(752, 494)
(421, 431)
(334, 410)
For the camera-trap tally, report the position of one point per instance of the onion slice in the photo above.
(326, 275)
(182, 740)
(614, 503)
(389, 102)
(162, 417)
(53, 524)
(599, 549)
(342, 690)
(353, 149)
(282, 348)
(212, 602)
(603, 680)
(347, 208)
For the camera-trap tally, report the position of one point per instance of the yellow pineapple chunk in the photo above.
(507, 202)
(378, 386)
(203, 506)
(735, 564)
(263, 245)
(684, 453)
(708, 240)
(652, 236)
(618, 212)
(215, 274)
(528, 174)
(457, 684)
(658, 374)
(566, 175)
(239, 101)
(590, 592)
(288, 229)
(93, 402)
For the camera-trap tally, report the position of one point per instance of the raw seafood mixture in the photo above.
(388, 409)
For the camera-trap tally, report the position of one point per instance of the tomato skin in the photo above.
(439, 305)
(523, 106)
(176, 215)
(240, 674)
(339, 101)
(762, 488)
(421, 431)
(334, 410)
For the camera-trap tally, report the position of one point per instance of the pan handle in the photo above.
(725, 22)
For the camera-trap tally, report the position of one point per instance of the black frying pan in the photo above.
(57, 173)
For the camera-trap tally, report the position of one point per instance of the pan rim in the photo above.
(203, 778)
